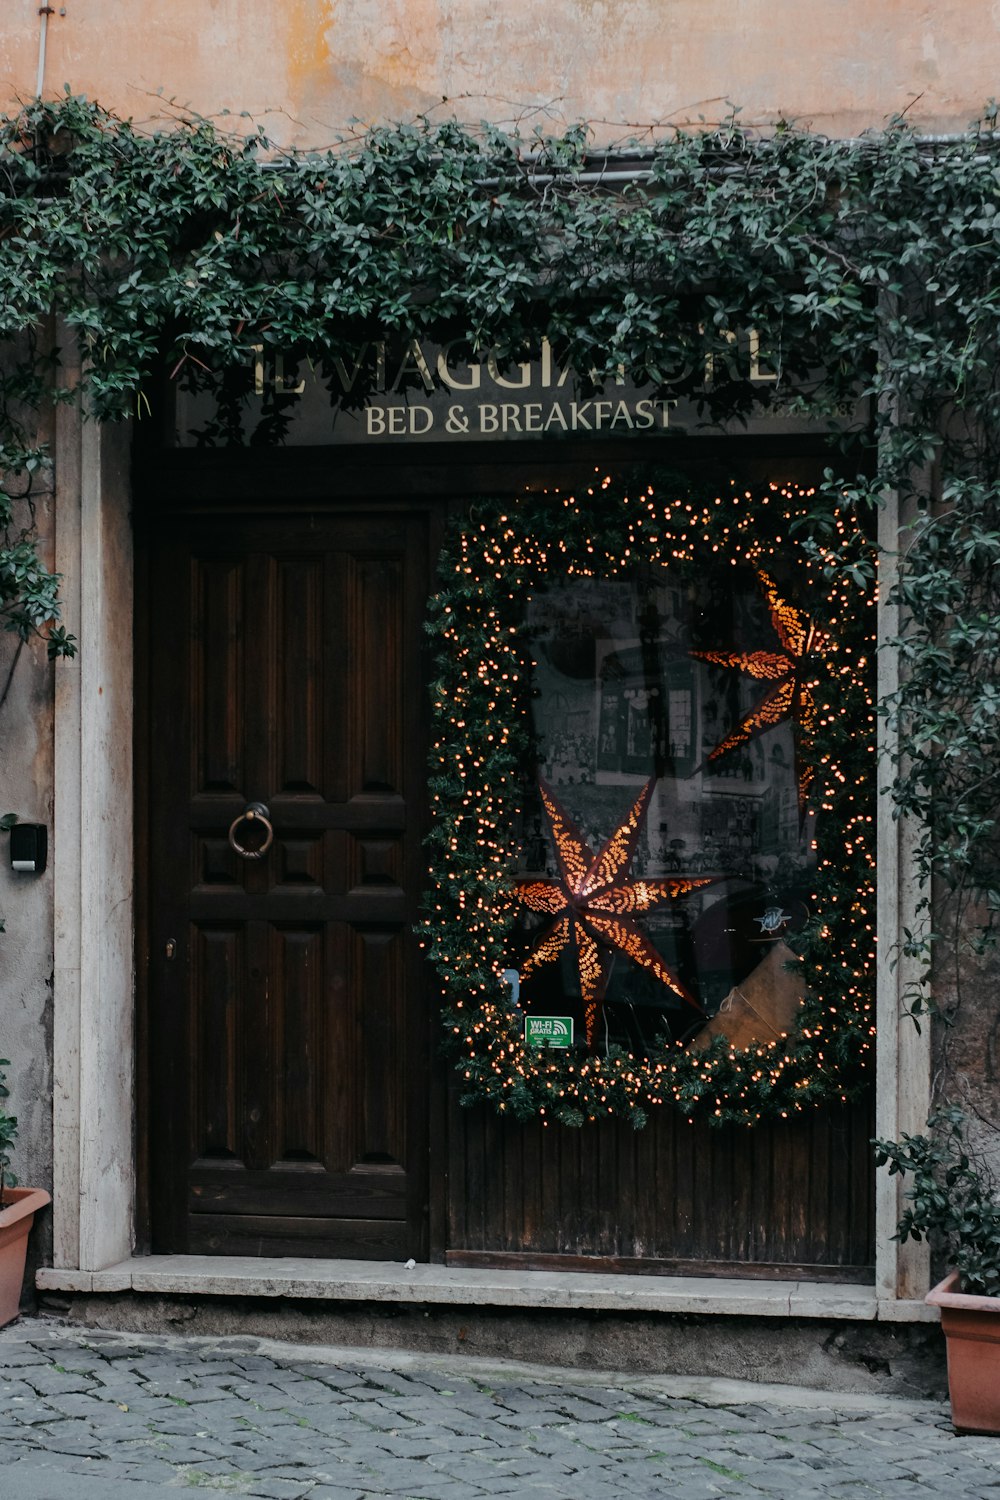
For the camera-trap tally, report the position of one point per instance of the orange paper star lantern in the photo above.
(595, 905)
(793, 672)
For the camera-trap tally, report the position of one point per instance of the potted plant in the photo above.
(953, 1200)
(18, 1207)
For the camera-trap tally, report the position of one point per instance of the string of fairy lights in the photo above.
(821, 669)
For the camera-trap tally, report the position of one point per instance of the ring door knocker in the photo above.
(251, 834)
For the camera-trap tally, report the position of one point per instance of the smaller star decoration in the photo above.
(793, 672)
(595, 905)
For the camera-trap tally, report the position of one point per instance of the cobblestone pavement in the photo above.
(99, 1416)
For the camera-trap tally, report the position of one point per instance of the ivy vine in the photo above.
(868, 267)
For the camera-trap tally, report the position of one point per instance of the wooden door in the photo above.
(287, 1013)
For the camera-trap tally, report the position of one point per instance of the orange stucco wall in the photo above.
(309, 67)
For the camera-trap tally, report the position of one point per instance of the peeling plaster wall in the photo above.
(26, 947)
(967, 1042)
(310, 67)
(26, 908)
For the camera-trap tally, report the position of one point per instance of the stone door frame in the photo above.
(94, 993)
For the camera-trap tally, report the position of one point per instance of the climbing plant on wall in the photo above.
(868, 269)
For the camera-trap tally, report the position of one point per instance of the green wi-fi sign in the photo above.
(548, 1031)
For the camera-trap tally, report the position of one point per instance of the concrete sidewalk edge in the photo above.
(710, 1390)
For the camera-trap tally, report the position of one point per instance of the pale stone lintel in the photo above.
(556, 1291)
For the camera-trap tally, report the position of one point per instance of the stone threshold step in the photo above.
(455, 1286)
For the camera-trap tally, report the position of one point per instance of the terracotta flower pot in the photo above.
(971, 1327)
(16, 1218)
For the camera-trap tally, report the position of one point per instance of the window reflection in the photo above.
(619, 698)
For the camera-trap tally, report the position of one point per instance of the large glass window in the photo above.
(657, 723)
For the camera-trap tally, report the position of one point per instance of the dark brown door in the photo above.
(287, 1010)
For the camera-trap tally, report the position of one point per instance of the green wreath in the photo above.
(494, 563)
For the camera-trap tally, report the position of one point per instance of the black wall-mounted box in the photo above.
(29, 843)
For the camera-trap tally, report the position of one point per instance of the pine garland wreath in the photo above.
(491, 568)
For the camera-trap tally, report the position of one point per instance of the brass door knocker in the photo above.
(251, 834)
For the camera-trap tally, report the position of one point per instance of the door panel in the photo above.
(789, 1198)
(288, 1030)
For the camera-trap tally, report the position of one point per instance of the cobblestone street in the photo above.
(99, 1416)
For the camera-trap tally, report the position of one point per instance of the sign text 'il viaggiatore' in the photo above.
(415, 391)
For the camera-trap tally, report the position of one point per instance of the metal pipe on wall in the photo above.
(44, 11)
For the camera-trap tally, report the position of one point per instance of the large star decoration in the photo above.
(595, 905)
(792, 670)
